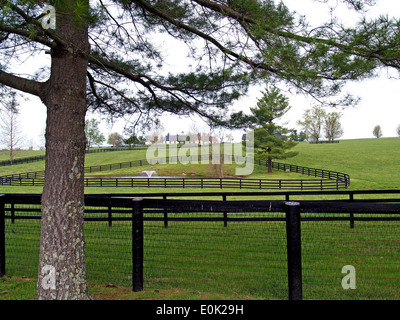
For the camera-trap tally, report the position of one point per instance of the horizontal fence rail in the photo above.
(43, 157)
(330, 180)
(220, 183)
(279, 237)
(21, 160)
(324, 141)
(93, 150)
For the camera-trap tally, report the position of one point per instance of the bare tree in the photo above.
(11, 134)
(115, 139)
(155, 136)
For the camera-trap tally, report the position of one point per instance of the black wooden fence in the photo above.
(220, 183)
(157, 207)
(21, 160)
(324, 141)
(330, 180)
(43, 157)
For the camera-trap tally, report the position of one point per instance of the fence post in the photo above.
(137, 245)
(2, 237)
(109, 215)
(12, 209)
(165, 214)
(225, 212)
(293, 236)
(351, 214)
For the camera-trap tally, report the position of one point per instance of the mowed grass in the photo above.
(371, 163)
(19, 154)
(205, 260)
(243, 261)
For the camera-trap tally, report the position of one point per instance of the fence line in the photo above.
(324, 141)
(331, 180)
(21, 160)
(43, 157)
(93, 150)
(109, 209)
(202, 183)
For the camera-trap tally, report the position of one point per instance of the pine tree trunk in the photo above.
(62, 272)
(269, 162)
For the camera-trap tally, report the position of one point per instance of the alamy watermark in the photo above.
(49, 19)
(49, 279)
(349, 280)
(228, 153)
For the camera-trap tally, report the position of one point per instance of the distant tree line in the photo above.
(316, 122)
(94, 137)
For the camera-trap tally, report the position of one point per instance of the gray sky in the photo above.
(379, 97)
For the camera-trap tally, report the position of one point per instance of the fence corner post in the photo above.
(293, 234)
(137, 245)
(2, 236)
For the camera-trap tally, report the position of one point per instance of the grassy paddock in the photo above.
(18, 154)
(247, 260)
(371, 163)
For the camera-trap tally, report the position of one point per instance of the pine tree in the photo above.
(271, 141)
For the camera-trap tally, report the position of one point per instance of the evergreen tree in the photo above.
(271, 141)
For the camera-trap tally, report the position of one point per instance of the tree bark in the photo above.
(269, 164)
(269, 161)
(62, 271)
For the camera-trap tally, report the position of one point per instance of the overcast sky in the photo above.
(379, 97)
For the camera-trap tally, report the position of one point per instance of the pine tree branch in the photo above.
(349, 48)
(23, 84)
(254, 64)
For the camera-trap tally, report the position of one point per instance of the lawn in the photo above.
(19, 154)
(242, 261)
(371, 163)
(205, 259)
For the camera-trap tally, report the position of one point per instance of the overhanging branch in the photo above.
(22, 84)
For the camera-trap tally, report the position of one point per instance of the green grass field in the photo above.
(371, 163)
(243, 261)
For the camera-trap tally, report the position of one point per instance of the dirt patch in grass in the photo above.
(113, 292)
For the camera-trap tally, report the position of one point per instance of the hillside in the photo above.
(371, 164)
